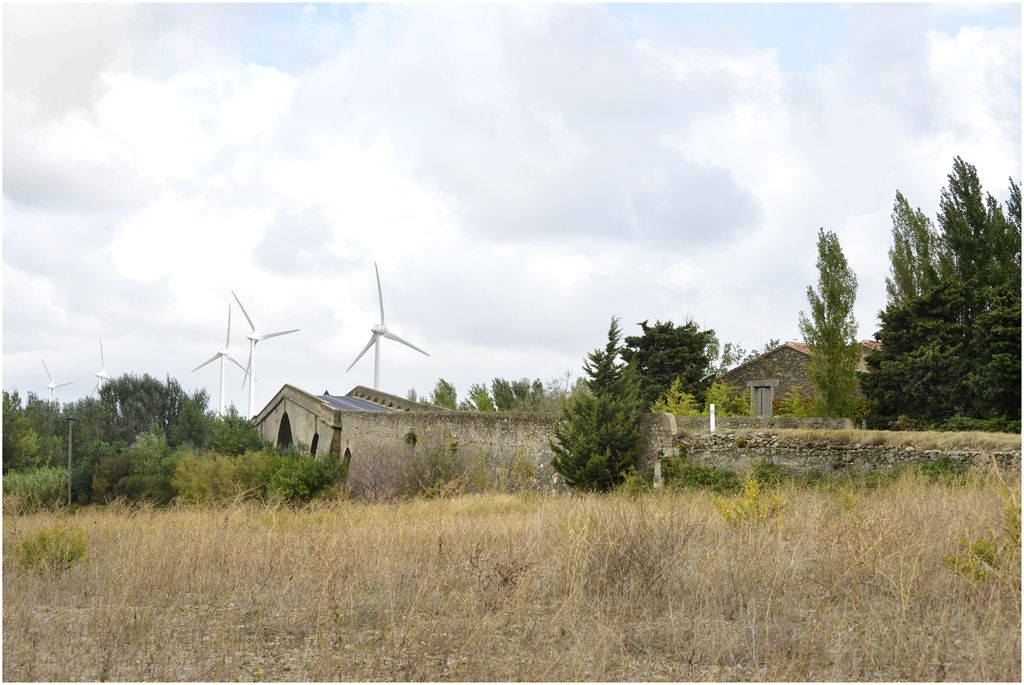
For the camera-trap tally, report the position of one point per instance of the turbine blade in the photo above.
(373, 339)
(274, 335)
(213, 358)
(97, 388)
(228, 340)
(380, 295)
(47, 370)
(237, 363)
(251, 324)
(103, 364)
(62, 385)
(248, 366)
(391, 336)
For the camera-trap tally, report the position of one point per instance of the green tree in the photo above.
(479, 399)
(136, 403)
(504, 398)
(676, 401)
(233, 434)
(20, 441)
(665, 352)
(599, 438)
(830, 331)
(192, 424)
(444, 395)
(953, 349)
(914, 256)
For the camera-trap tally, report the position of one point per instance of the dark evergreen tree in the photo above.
(665, 352)
(831, 331)
(599, 439)
(954, 349)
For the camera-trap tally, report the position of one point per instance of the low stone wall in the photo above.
(739, 452)
(727, 423)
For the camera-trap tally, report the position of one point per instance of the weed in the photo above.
(751, 506)
(678, 472)
(767, 473)
(53, 549)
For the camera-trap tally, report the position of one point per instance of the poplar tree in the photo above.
(830, 331)
(914, 262)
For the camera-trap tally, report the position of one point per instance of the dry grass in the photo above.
(848, 585)
(925, 440)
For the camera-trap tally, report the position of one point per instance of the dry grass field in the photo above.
(847, 584)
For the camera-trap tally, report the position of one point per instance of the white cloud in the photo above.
(520, 174)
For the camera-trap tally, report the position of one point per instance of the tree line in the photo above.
(950, 341)
(145, 439)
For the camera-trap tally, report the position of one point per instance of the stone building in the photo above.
(772, 374)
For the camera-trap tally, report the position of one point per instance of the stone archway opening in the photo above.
(347, 459)
(284, 433)
(314, 443)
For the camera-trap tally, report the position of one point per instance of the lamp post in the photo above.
(71, 422)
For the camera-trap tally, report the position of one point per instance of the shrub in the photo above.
(211, 478)
(300, 478)
(233, 434)
(943, 469)
(767, 473)
(442, 470)
(728, 401)
(793, 404)
(677, 472)
(52, 549)
(976, 560)
(35, 489)
(676, 401)
(751, 506)
(635, 484)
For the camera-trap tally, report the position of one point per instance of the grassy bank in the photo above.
(923, 440)
(848, 584)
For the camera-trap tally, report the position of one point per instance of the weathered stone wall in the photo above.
(499, 439)
(740, 451)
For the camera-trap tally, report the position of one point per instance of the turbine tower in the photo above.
(377, 332)
(223, 354)
(53, 386)
(254, 338)
(101, 375)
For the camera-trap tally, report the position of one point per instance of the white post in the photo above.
(712, 418)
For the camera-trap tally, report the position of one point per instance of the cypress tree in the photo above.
(599, 438)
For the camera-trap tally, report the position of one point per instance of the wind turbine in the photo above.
(52, 386)
(101, 375)
(223, 354)
(254, 338)
(377, 332)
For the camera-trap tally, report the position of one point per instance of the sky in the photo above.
(520, 173)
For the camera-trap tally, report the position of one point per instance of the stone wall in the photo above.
(502, 440)
(499, 440)
(739, 451)
(727, 423)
